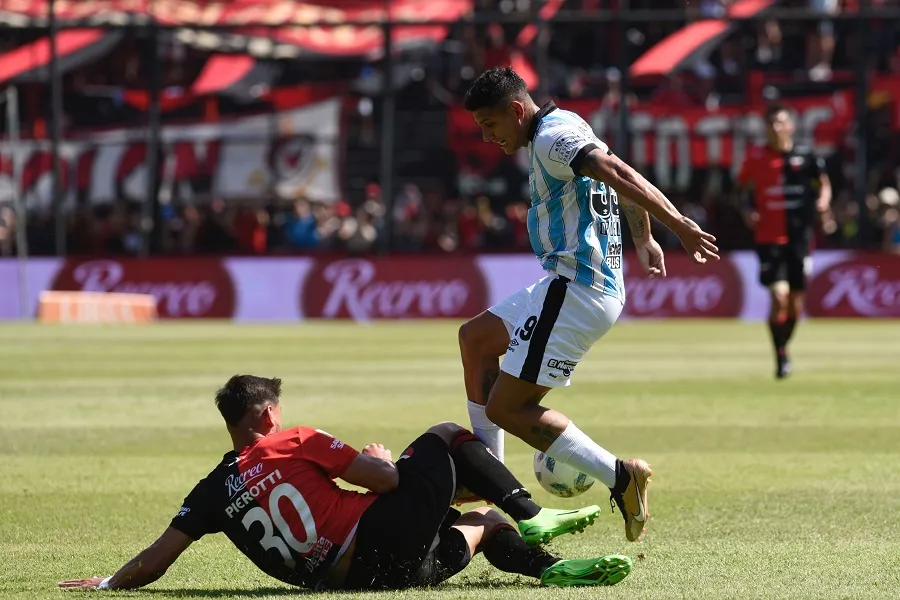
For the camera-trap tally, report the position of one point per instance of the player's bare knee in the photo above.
(484, 516)
(492, 521)
(446, 430)
(779, 297)
(468, 337)
(485, 336)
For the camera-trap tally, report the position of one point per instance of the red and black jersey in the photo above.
(279, 505)
(785, 187)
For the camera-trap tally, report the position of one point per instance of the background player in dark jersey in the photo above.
(275, 498)
(785, 187)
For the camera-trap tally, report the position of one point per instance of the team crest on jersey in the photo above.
(565, 146)
(796, 162)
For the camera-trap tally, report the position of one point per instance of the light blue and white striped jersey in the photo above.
(573, 222)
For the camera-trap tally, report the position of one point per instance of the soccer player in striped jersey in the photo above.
(579, 190)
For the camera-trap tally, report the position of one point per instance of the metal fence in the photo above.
(394, 125)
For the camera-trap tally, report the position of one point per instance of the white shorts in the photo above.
(552, 324)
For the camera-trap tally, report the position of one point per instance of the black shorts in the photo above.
(405, 539)
(783, 263)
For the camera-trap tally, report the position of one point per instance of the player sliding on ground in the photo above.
(275, 498)
(578, 188)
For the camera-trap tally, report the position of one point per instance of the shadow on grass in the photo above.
(225, 592)
(467, 585)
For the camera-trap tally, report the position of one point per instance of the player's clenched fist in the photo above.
(377, 451)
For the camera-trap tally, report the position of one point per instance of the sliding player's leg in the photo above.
(485, 530)
(481, 473)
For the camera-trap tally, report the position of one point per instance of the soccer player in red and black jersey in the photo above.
(274, 496)
(786, 188)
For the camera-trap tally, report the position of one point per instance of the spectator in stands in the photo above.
(469, 227)
(328, 221)
(517, 217)
(769, 43)
(707, 94)
(889, 220)
(217, 234)
(820, 44)
(672, 93)
(613, 95)
(7, 229)
(250, 227)
(357, 234)
(301, 227)
(411, 219)
(497, 53)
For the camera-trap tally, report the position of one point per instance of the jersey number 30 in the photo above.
(269, 541)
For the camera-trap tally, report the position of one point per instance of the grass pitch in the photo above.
(762, 489)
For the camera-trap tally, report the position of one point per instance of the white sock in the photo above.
(576, 449)
(485, 430)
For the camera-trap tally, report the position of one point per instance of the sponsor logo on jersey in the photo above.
(236, 483)
(246, 498)
(566, 366)
(183, 511)
(318, 554)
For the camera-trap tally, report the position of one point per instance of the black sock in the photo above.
(789, 326)
(485, 476)
(622, 478)
(507, 551)
(777, 329)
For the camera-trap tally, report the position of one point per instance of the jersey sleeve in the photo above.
(195, 519)
(561, 147)
(329, 453)
(745, 174)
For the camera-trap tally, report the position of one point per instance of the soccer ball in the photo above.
(559, 478)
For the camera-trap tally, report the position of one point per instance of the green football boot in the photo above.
(606, 570)
(551, 523)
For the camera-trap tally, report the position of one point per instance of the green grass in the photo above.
(763, 489)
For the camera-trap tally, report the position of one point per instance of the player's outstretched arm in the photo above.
(610, 169)
(143, 569)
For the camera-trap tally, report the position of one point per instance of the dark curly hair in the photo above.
(493, 87)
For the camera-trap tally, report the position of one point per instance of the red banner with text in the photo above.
(673, 143)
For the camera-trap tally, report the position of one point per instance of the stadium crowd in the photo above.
(461, 213)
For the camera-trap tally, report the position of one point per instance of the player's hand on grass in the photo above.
(81, 584)
(698, 243)
(377, 451)
(651, 258)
